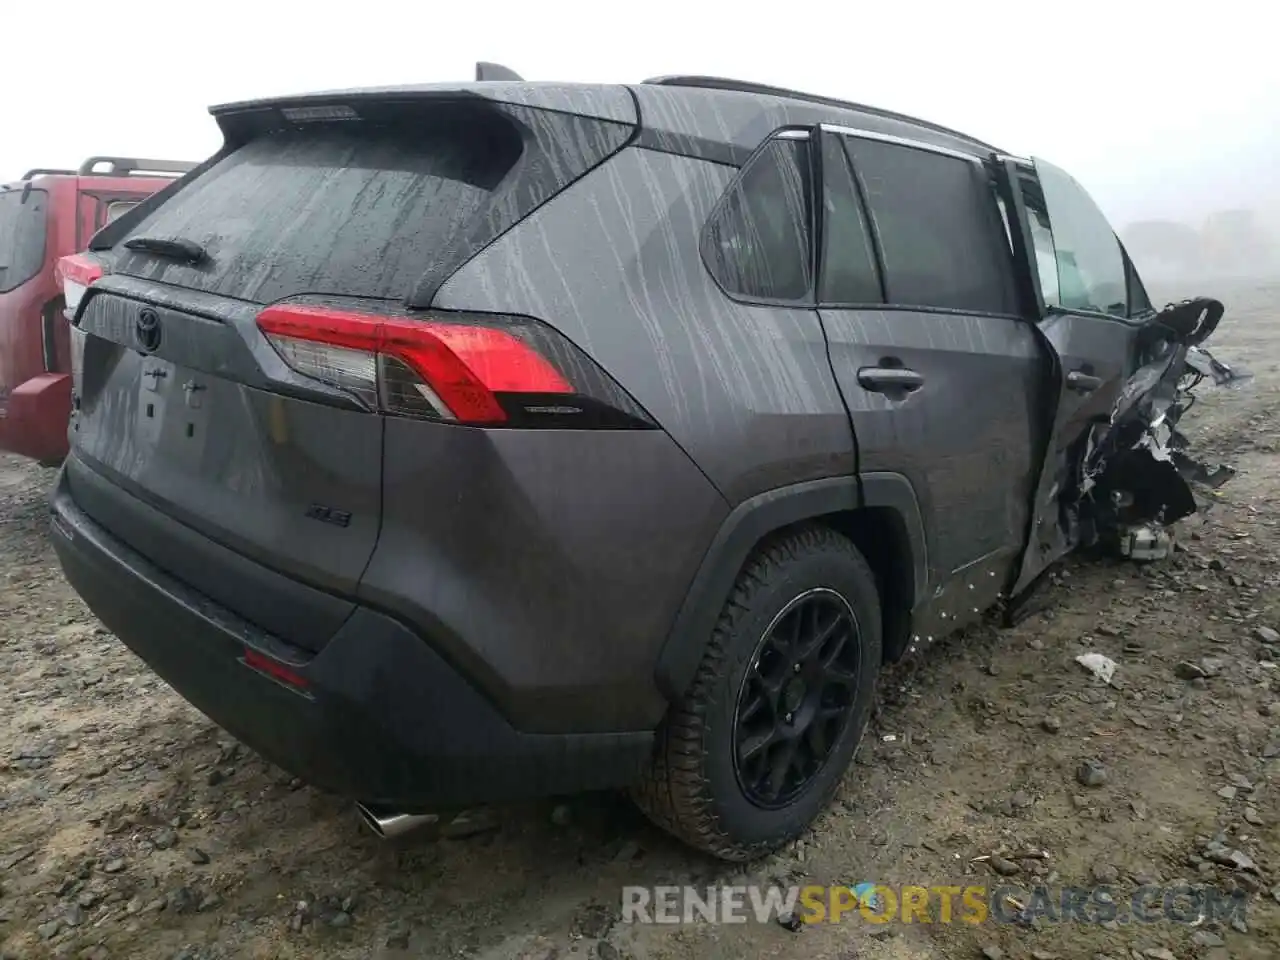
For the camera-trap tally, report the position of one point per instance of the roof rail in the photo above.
(124, 166)
(46, 171)
(762, 89)
(495, 71)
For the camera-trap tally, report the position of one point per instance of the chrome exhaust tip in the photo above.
(388, 825)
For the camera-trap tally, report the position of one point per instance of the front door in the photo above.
(1090, 302)
(940, 373)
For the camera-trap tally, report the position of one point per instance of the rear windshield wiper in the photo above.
(188, 251)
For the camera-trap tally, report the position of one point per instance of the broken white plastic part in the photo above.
(1102, 667)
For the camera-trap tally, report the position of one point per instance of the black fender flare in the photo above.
(746, 525)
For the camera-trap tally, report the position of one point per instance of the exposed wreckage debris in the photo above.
(1136, 478)
(1133, 477)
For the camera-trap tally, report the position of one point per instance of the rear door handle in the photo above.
(1083, 382)
(889, 379)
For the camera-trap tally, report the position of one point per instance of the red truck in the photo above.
(46, 215)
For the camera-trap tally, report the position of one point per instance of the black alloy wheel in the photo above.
(796, 697)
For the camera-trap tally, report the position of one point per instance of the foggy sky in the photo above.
(1159, 110)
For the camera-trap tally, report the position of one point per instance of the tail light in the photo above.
(75, 275)
(478, 370)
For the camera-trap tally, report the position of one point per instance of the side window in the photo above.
(849, 272)
(1090, 265)
(23, 232)
(938, 227)
(757, 242)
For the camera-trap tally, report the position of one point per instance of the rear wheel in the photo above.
(755, 750)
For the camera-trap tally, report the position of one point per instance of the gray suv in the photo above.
(471, 442)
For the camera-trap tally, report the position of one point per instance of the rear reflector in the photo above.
(273, 669)
(428, 367)
(76, 274)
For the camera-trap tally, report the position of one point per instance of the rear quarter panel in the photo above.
(613, 263)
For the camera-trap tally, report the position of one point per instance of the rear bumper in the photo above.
(383, 719)
(35, 420)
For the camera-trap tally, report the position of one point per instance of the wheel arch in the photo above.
(879, 512)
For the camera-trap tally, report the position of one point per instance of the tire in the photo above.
(694, 788)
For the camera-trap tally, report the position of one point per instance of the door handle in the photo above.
(889, 379)
(1083, 382)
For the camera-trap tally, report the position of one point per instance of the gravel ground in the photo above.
(132, 827)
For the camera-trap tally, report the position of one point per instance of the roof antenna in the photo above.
(495, 71)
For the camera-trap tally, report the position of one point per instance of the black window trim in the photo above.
(983, 163)
(809, 300)
(860, 189)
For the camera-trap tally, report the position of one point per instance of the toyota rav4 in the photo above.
(471, 442)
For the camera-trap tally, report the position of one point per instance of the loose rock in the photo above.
(1091, 773)
(1186, 670)
(1207, 938)
(1105, 873)
(1004, 867)
(164, 839)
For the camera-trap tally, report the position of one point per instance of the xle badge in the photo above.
(318, 511)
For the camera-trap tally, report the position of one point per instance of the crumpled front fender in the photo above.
(1135, 473)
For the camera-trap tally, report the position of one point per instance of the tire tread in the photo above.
(674, 792)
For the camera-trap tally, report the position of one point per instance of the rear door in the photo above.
(1090, 302)
(939, 371)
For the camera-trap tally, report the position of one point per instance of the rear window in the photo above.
(329, 210)
(22, 236)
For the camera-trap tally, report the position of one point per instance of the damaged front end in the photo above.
(1135, 478)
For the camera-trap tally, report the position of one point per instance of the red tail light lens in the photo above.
(411, 367)
(76, 274)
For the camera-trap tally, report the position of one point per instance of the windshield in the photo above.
(22, 234)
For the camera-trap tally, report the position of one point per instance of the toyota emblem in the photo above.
(148, 330)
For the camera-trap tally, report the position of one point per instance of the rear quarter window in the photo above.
(22, 236)
(757, 243)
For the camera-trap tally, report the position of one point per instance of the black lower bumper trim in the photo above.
(383, 718)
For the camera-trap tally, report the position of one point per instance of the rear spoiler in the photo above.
(495, 71)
